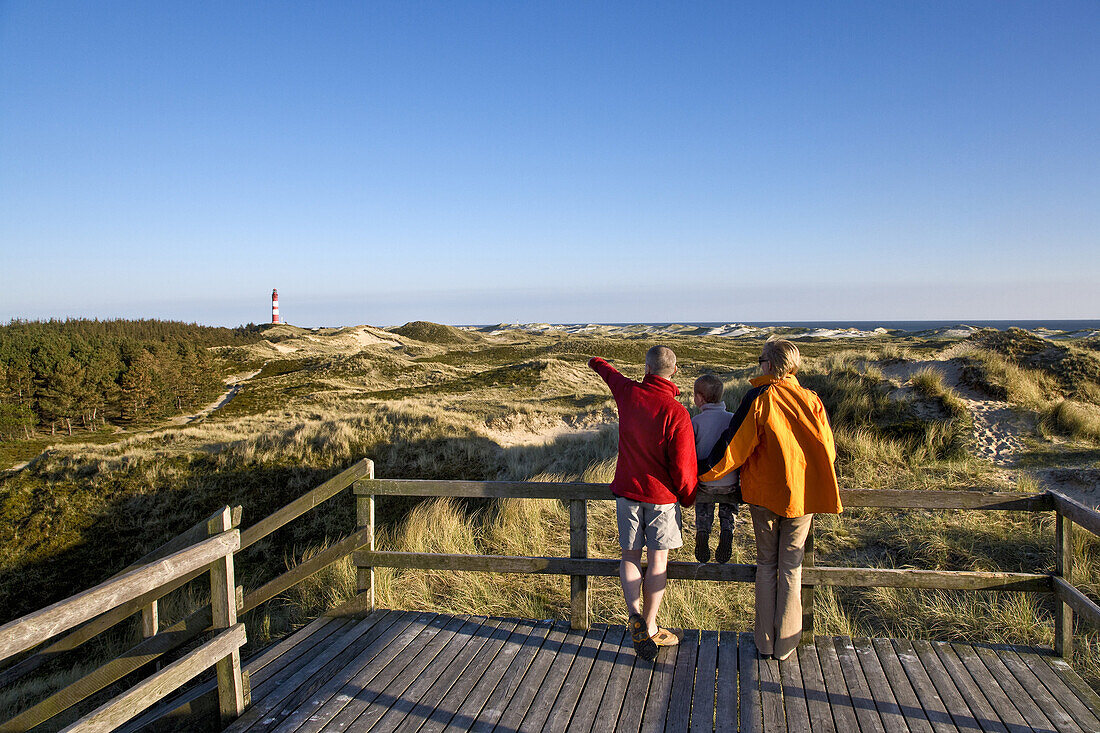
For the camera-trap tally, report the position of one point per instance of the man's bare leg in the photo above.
(656, 578)
(630, 575)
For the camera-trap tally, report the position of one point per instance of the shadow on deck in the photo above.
(408, 671)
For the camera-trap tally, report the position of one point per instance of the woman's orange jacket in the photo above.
(781, 440)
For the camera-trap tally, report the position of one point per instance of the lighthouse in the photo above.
(275, 306)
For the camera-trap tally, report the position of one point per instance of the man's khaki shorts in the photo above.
(641, 525)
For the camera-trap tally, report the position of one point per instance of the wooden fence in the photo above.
(580, 567)
(101, 612)
(138, 590)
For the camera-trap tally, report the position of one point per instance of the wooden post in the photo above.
(808, 590)
(1063, 566)
(364, 512)
(150, 620)
(223, 607)
(578, 548)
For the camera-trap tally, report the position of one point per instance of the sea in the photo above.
(1029, 325)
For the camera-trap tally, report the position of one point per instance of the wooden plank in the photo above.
(771, 696)
(680, 711)
(748, 684)
(259, 667)
(270, 678)
(965, 718)
(735, 572)
(364, 577)
(1063, 568)
(813, 685)
(725, 699)
(554, 681)
(34, 628)
(567, 703)
(1078, 601)
(1060, 691)
(637, 689)
(305, 502)
(908, 702)
(484, 706)
(1080, 688)
(1019, 696)
(1051, 707)
(578, 549)
(104, 621)
(223, 608)
(893, 720)
(391, 626)
(409, 703)
(296, 684)
(858, 688)
(660, 689)
(990, 688)
(1081, 514)
(600, 679)
(310, 567)
(462, 666)
(940, 579)
(930, 700)
(110, 715)
(614, 696)
(840, 701)
(970, 689)
(796, 711)
(462, 688)
(396, 646)
(520, 697)
(706, 678)
(409, 678)
(987, 500)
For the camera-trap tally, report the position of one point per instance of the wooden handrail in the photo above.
(34, 628)
(851, 498)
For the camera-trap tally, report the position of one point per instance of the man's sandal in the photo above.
(644, 646)
(666, 637)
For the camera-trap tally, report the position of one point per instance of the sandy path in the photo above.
(234, 384)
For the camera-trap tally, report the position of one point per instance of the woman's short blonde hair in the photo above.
(783, 356)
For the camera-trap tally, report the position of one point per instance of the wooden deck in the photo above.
(407, 671)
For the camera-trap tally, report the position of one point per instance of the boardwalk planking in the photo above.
(794, 695)
(858, 688)
(606, 664)
(485, 704)
(840, 701)
(725, 703)
(813, 687)
(399, 671)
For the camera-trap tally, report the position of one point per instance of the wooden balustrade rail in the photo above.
(579, 566)
(213, 555)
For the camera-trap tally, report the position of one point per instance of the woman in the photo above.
(780, 439)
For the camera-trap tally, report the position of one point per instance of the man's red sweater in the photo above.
(657, 463)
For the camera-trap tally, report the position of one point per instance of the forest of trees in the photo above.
(75, 373)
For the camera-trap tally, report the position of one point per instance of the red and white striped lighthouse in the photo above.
(275, 306)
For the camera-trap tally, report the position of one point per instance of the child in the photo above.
(712, 419)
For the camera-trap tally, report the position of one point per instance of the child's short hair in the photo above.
(709, 388)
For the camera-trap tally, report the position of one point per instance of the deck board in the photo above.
(397, 671)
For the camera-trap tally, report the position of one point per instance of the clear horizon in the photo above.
(490, 162)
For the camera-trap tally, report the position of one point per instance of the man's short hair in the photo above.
(660, 360)
(783, 356)
(709, 388)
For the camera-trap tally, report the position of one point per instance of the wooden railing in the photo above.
(139, 589)
(158, 642)
(580, 567)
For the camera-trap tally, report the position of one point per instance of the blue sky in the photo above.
(472, 162)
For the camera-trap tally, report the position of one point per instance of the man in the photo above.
(656, 467)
